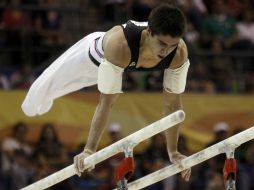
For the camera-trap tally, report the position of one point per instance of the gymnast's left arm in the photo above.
(173, 86)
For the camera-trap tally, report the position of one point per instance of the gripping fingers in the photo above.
(81, 164)
(90, 168)
(186, 174)
(76, 166)
(176, 158)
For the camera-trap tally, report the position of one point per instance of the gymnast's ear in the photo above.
(148, 31)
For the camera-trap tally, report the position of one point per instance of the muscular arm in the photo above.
(172, 103)
(115, 52)
(99, 120)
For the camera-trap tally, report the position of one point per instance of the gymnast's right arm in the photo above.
(110, 86)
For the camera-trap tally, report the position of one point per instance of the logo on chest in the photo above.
(132, 64)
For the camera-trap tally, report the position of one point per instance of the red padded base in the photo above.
(125, 169)
(229, 169)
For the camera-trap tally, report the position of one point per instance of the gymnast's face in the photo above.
(162, 45)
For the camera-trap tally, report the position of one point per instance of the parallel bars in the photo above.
(128, 142)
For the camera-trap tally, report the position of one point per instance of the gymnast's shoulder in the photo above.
(116, 49)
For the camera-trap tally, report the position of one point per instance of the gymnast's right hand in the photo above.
(79, 161)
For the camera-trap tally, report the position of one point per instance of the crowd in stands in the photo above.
(220, 40)
(219, 37)
(23, 162)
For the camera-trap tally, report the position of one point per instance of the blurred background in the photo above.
(218, 101)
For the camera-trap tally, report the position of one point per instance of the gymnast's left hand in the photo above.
(176, 158)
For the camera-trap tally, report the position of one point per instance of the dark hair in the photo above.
(43, 133)
(19, 127)
(167, 20)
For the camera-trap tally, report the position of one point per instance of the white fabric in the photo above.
(175, 79)
(11, 145)
(109, 78)
(246, 31)
(72, 71)
(137, 23)
(96, 49)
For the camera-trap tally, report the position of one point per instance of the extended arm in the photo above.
(99, 120)
(97, 128)
(172, 103)
(110, 86)
(173, 85)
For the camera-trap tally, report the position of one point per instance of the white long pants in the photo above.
(72, 71)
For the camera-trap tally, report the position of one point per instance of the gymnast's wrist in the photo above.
(172, 153)
(88, 151)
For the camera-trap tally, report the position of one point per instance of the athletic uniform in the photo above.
(78, 68)
(132, 32)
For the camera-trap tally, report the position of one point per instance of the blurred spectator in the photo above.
(245, 27)
(2, 33)
(141, 9)
(242, 176)
(234, 8)
(15, 22)
(191, 36)
(114, 132)
(49, 148)
(216, 64)
(215, 182)
(17, 142)
(49, 33)
(22, 171)
(153, 81)
(14, 19)
(50, 154)
(157, 149)
(22, 78)
(4, 82)
(154, 157)
(49, 27)
(195, 11)
(249, 82)
(40, 26)
(219, 28)
(114, 11)
(199, 5)
(183, 145)
(245, 168)
(220, 133)
(2, 178)
(200, 80)
(15, 158)
(130, 81)
(31, 2)
(208, 175)
(30, 8)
